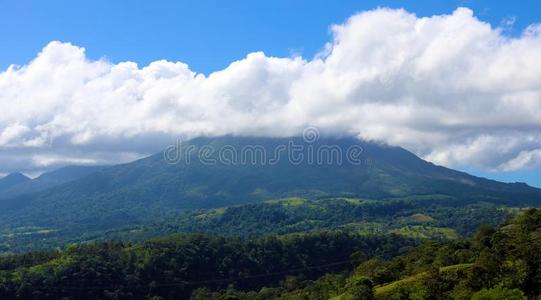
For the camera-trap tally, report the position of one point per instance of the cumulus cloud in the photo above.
(451, 88)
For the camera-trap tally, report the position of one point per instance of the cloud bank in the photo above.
(451, 88)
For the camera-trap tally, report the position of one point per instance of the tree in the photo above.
(361, 288)
(499, 293)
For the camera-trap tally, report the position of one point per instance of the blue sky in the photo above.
(209, 35)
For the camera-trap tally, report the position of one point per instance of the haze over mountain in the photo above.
(11, 180)
(24, 185)
(202, 175)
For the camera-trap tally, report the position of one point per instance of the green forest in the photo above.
(429, 216)
(497, 262)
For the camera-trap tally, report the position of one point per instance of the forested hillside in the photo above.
(497, 263)
(423, 217)
(202, 175)
(173, 267)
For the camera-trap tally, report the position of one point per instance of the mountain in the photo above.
(12, 180)
(225, 171)
(47, 180)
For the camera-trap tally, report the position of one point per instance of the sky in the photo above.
(207, 35)
(456, 82)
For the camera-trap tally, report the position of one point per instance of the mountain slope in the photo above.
(153, 187)
(12, 180)
(498, 263)
(48, 180)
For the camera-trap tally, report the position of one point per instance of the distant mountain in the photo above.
(218, 172)
(48, 180)
(12, 180)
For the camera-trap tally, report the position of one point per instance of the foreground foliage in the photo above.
(503, 263)
(497, 263)
(173, 267)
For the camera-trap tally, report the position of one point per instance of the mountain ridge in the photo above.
(48, 180)
(12, 180)
(162, 185)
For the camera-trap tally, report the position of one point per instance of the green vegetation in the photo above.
(497, 263)
(364, 216)
(394, 228)
(503, 263)
(84, 204)
(499, 293)
(173, 267)
(419, 218)
(426, 232)
(415, 284)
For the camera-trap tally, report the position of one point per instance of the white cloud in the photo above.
(451, 88)
(523, 160)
